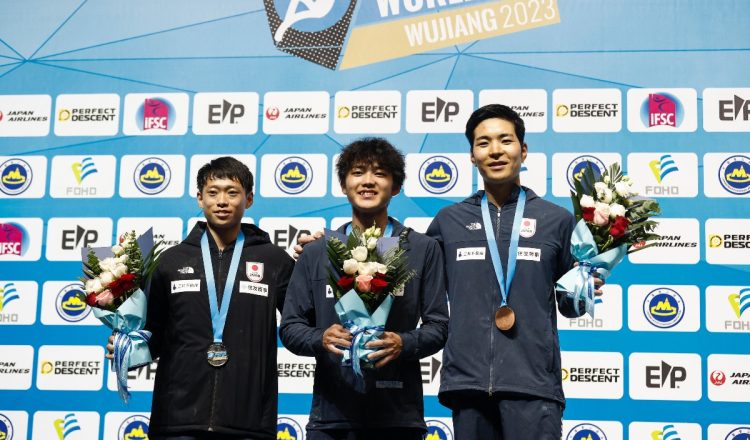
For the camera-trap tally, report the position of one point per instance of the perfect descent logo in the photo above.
(15, 176)
(314, 30)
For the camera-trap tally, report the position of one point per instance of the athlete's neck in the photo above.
(364, 220)
(499, 193)
(224, 236)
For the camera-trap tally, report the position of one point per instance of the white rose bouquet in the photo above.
(113, 282)
(364, 274)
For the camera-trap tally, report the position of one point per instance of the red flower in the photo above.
(122, 285)
(588, 214)
(346, 282)
(91, 299)
(619, 226)
(378, 284)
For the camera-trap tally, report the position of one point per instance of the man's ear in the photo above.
(524, 151)
(199, 196)
(249, 200)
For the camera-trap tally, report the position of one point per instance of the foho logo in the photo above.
(728, 309)
(155, 115)
(664, 308)
(664, 431)
(662, 110)
(66, 425)
(22, 177)
(665, 376)
(608, 313)
(589, 374)
(83, 176)
(664, 174)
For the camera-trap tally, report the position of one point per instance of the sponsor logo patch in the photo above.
(472, 253)
(254, 271)
(186, 286)
(254, 288)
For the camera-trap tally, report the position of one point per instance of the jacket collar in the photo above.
(253, 235)
(476, 198)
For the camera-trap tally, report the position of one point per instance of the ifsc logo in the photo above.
(133, 428)
(663, 307)
(6, 428)
(662, 110)
(15, 176)
(152, 175)
(288, 429)
(580, 165)
(14, 239)
(314, 30)
(586, 431)
(155, 114)
(734, 175)
(69, 305)
(438, 174)
(437, 430)
(293, 175)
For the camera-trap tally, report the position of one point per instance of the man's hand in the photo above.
(336, 335)
(598, 281)
(389, 347)
(110, 347)
(304, 239)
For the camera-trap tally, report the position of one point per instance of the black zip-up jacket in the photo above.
(190, 395)
(394, 392)
(478, 356)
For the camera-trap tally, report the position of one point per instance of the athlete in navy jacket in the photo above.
(503, 384)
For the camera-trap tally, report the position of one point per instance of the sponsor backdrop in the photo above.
(107, 110)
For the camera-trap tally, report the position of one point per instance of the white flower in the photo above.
(587, 201)
(600, 186)
(106, 278)
(350, 266)
(117, 250)
(122, 258)
(119, 270)
(107, 264)
(382, 268)
(616, 210)
(368, 268)
(372, 243)
(627, 180)
(622, 189)
(359, 253)
(603, 193)
(94, 286)
(606, 179)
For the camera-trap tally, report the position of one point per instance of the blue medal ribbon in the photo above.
(504, 282)
(219, 316)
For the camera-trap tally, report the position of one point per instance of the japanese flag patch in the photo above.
(528, 227)
(254, 271)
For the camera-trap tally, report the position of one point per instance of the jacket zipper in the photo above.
(216, 371)
(492, 330)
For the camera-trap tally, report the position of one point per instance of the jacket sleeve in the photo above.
(430, 337)
(287, 266)
(565, 262)
(298, 332)
(157, 313)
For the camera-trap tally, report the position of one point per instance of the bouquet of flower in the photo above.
(611, 219)
(366, 271)
(113, 282)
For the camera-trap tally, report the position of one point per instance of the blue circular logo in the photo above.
(152, 176)
(69, 305)
(15, 176)
(133, 428)
(662, 109)
(312, 16)
(288, 429)
(581, 164)
(741, 433)
(438, 174)
(586, 431)
(437, 430)
(294, 175)
(6, 428)
(734, 174)
(663, 307)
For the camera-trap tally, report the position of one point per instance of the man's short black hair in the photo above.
(226, 168)
(494, 111)
(370, 151)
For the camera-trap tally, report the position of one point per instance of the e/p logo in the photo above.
(658, 376)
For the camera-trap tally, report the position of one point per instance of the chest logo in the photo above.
(186, 270)
(528, 227)
(254, 288)
(254, 271)
(470, 253)
(186, 286)
(475, 226)
(529, 254)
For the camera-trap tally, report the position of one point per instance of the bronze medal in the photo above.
(217, 354)
(505, 318)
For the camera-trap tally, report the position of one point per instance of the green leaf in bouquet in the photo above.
(577, 211)
(92, 263)
(615, 173)
(337, 252)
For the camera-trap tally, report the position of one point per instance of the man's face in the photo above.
(224, 202)
(369, 188)
(497, 152)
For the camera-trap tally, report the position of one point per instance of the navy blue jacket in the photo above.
(394, 392)
(478, 356)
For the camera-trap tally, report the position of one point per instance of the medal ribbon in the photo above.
(219, 317)
(513, 250)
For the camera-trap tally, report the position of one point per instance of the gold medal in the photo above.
(505, 318)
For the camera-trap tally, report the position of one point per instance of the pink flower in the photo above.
(601, 214)
(364, 283)
(105, 298)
